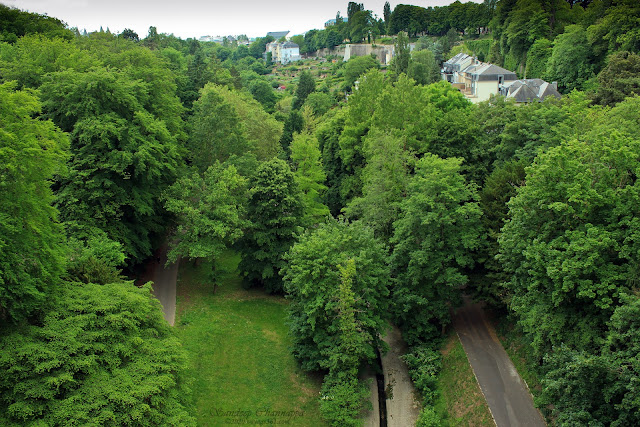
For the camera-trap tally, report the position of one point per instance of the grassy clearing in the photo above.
(238, 345)
(460, 402)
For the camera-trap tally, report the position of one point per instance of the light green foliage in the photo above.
(101, 355)
(312, 279)
(31, 254)
(358, 118)
(93, 257)
(423, 67)
(571, 61)
(261, 129)
(570, 245)
(275, 211)
(123, 156)
(209, 210)
(408, 109)
(438, 227)
(385, 178)
(424, 365)
(429, 418)
(537, 58)
(33, 56)
(308, 171)
(355, 67)
(342, 400)
(343, 395)
(216, 130)
(319, 102)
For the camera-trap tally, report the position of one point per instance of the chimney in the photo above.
(555, 85)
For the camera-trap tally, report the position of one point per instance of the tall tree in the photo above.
(312, 279)
(216, 130)
(275, 213)
(438, 227)
(306, 85)
(307, 168)
(385, 178)
(402, 53)
(123, 157)
(31, 239)
(210, 213)
(619, 79)
(571, 61)
(386, 12)
(423, 67)
(573, 228)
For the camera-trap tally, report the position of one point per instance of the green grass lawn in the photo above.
(461, 402)
(240, 359)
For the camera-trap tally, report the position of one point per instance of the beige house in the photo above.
(475, 79)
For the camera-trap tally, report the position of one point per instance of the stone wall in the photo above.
(383, 53)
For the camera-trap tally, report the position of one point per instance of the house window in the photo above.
(500, 80)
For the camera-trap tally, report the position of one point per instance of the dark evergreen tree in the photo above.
(306, 85)
(275, 213)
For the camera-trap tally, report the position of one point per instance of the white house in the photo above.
(289, 52)
(283, 52)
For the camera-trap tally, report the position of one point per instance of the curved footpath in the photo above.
(506, 393)
(164, 285)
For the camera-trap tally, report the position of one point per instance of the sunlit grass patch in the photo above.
(238, 344)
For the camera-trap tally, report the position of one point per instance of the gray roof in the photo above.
(491, 72)
(289, 45)
(277, 35)
(528, 90)
(454, 63)
(457, 58)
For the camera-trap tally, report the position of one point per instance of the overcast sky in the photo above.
(195, 18)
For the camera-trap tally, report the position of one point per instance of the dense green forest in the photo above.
(365, 195)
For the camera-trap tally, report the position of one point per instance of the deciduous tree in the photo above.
(275, 212)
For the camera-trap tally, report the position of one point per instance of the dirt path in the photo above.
(403, 407)
(164, 285)
(507, 395)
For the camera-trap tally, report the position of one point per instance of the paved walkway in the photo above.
(164, 286)
(507, 395)
(403, 408)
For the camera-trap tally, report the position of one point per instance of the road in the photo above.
(507, 395)
(164, 285)
(403, 408)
